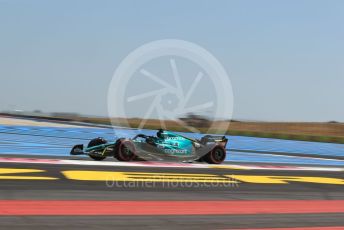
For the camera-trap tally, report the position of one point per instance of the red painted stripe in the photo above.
(86, 207)
(299, 228)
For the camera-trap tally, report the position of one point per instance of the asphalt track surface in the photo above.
(72, 196)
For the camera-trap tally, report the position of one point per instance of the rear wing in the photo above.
(221, 140)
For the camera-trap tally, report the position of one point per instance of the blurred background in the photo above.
(284, 58)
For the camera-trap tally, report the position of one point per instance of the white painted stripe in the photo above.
(305, 157)
(164, 165)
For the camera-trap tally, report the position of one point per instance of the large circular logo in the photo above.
(171, 81)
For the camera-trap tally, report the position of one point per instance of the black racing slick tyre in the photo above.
(95, 142)
(125, 150)
(216, 156)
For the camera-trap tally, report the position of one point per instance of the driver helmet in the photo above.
(160, 133)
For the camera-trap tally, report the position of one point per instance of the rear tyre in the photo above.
(125, 150)
(94, 142)
(216, 156)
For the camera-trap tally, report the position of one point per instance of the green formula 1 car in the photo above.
(165, 145)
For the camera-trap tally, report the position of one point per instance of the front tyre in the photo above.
(125, 150)
(216, 156)
(97, 158)
(94, 142)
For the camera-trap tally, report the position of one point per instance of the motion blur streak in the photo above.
(88, 207)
